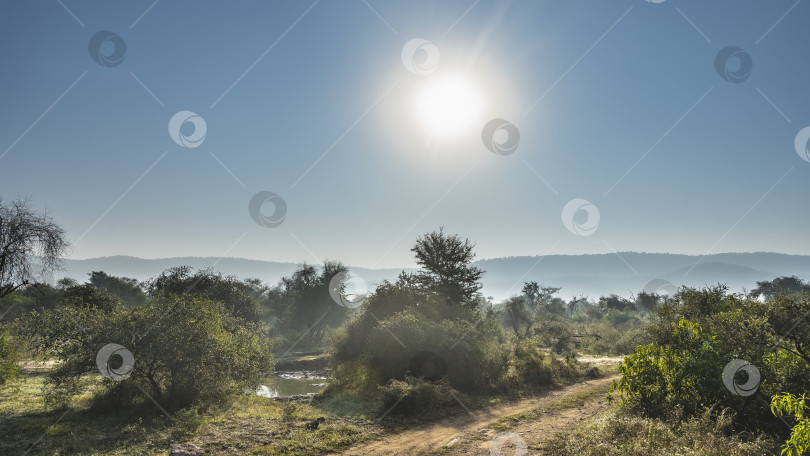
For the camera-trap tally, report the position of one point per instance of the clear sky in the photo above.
(371, 139)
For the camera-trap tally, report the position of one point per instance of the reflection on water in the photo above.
(293, 383)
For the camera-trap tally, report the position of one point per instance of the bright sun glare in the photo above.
(448, 105)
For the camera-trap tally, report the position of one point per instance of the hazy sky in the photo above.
(371, 139)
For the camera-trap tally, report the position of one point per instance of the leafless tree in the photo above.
(31, 245)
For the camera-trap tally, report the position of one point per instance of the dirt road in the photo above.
(469, 435)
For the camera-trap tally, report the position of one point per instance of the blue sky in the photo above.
(315, 104)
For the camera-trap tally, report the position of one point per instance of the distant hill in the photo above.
(590, 275)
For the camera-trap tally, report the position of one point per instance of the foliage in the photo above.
(779, 285)
(794, 406)
(409, 343)
(128, 290)
(188, 422)
(304, 304)
(188, 350)
(90, 297)
(416, 396)
(31, 245)
(446, 260)
(235, 294)
(696, 334)
(9, 367)
(682, 374)
(516, 316)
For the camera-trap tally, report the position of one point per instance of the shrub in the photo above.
(187, 351)
(8, 360)
(409, 343)
(188, 422)
(418, 397)
(697, 334)
(795, 407)
(683, 374)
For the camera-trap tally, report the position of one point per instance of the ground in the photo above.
(260, 426)
(534, 420)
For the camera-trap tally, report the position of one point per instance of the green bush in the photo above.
(187, 351)
(187, 422)
(408, 343)
(9, 368)
(684, 374)
(418, 397)
(696, 334)
(795, 407)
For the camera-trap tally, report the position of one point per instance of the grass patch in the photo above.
(616, 431)
(253, 425)
(509, 422)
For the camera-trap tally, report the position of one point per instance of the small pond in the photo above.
(291, 383)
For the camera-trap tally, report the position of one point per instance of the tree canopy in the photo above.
(31, 245)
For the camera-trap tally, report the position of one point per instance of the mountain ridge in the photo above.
(592, 275)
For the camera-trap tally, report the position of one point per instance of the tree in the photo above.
(236, 295)
(303, 300)
(647, 302)
(615, 302)
(446, 267)
(517, 316)
(31, 245)
(125, 288)
(90, 297)
(785, 285)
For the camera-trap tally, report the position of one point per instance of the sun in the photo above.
(448, 105)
